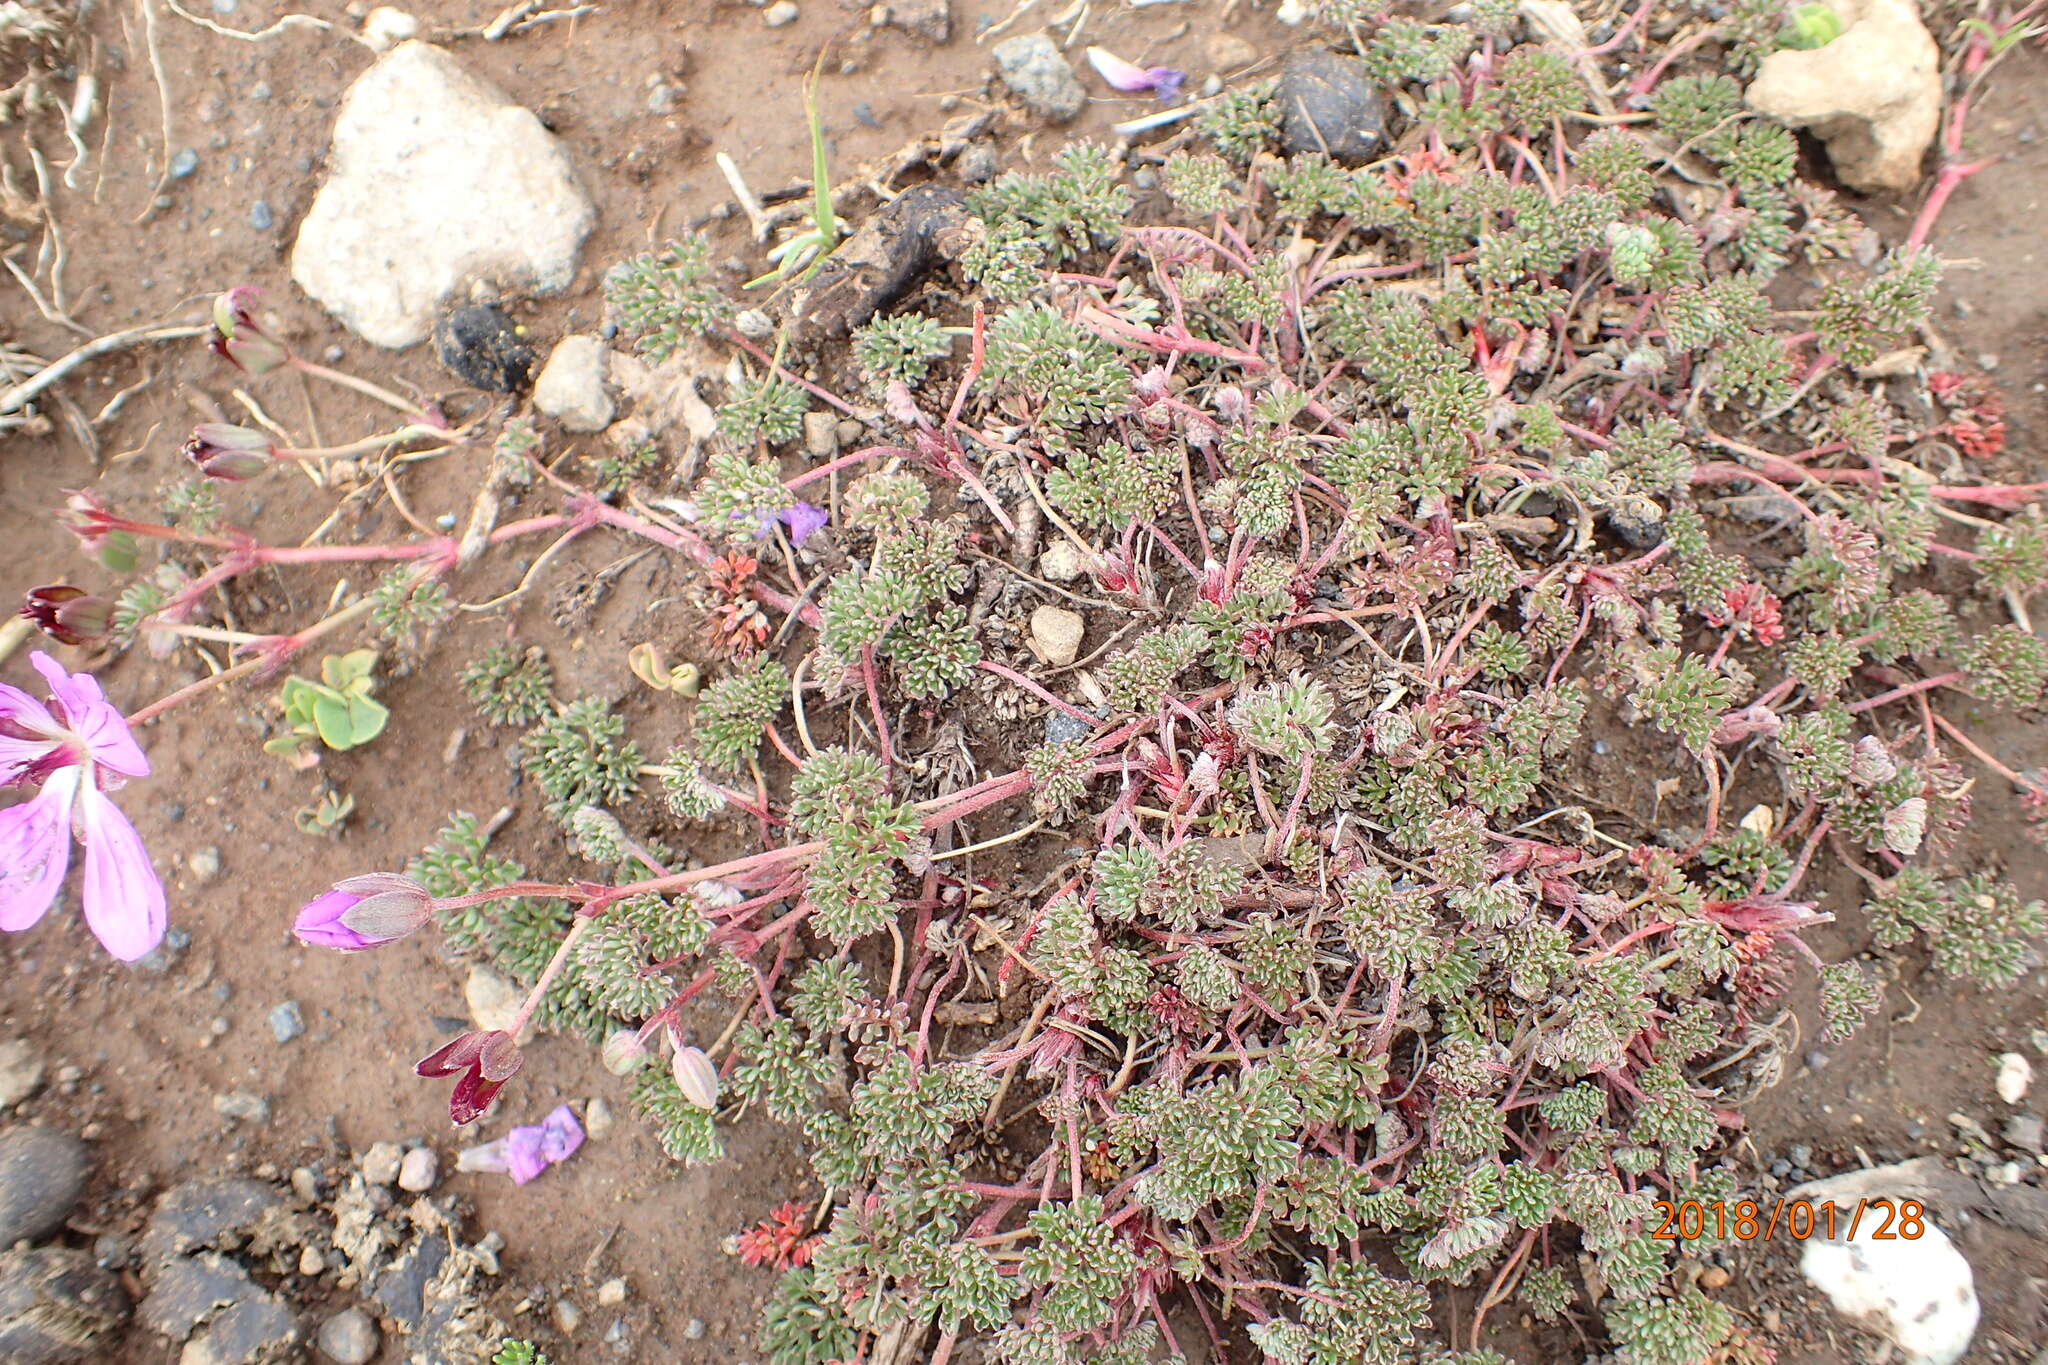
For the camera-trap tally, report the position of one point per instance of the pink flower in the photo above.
(238, 338)
(364, 912)
(220, 450)
(79, 748)
(482, 1063)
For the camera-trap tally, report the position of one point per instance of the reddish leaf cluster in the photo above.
(781, 1240)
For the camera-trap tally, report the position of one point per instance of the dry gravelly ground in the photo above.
(642, 93)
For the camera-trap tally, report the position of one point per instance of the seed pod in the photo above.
(696, 1076)
(624, 1053)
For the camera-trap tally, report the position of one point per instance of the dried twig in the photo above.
(18, 397)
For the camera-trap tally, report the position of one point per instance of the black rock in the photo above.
(1062, 728)
(403, 1288)
(1638, 522)
(56, 1306)
(1327, 105)
(207, 1213)
(484, 347)
(191, 1289)
(42, 1174)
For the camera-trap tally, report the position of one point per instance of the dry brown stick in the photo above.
(18, 397)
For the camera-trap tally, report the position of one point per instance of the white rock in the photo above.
(2015, 1074)
(438, 180)
(420, 1169)
(494, 1000)
(1916, 1292)
(1056, 635)
(612, 1292)
(1062, 562)
(21, 1072)
(386, 27)
(1873, 95)
(571, 385)
(780, 13)
(382, 1163)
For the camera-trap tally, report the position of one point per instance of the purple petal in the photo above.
(1167, 81)
(524, 1156)
(804, 520)
(1128, 77)
(560, 1134)
(320, 925)
(124, 898)
(90, 716)
(35, 849)
(21, 717)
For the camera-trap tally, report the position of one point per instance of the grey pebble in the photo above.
(240, 1106)
(260, 216)
(1801, 1154)
(693, 1330)
(349, 1337)
(224, 6)
(865, 114)
(1781, 1168)
(42, 1175)
(184, 163)
(260, 90)
(1816, 1059)
(57, 1306)
(2025, 1131)
(287, 1022)
(1061, 728)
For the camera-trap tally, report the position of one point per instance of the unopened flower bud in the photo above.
(364, 912)
(624, 1052)
(220, 450)
(696, 1077)
(88, 518)
(238, 338)
(69, 615)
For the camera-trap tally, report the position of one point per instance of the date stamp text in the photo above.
(1748, 1220)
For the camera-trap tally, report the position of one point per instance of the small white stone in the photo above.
(494, 1000)
(311, 1262)
(386, 27)
(437, 179)
(612, 1292)
(568, 1317)
(571, 385)
(2015, 1074)
(780, 13)
(1873, 94)
(21, 1072)
(381, 1163)
(597, 1118)
(420, 1169)
(821, 435)
(1917, 1292)
(1062, 562)
(1056, 635)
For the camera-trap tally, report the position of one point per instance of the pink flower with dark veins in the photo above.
(78, 747)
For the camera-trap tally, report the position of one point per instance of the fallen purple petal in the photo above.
(561, 1134)
(1129, 77)
(524, 1157)
(804, 520)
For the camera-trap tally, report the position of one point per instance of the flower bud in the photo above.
(624, 1052)
(238, 338)
(68, 615)
(230, 453)
(364, 912)
(696, 1076)
(86, 517)
(1133, 79)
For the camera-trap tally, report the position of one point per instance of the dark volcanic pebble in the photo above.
(1328, 105)
(483, 345)
(42, 1174)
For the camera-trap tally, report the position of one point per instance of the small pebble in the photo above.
(204, 864)
(184, 163)
(311, 1262)
(693, 1330)
(260, 90)
(597, 1118)
(864, 113)
(1816, 1059)
(612, 1292)
(418, 1171)
(780, 13)
(381, 1163)
(349, 1337)
(1715, 1277)
(224, 6)
(568, 1317)
(240, 1106)
(286, 1022)
(260, 216)
(1801, 1154)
